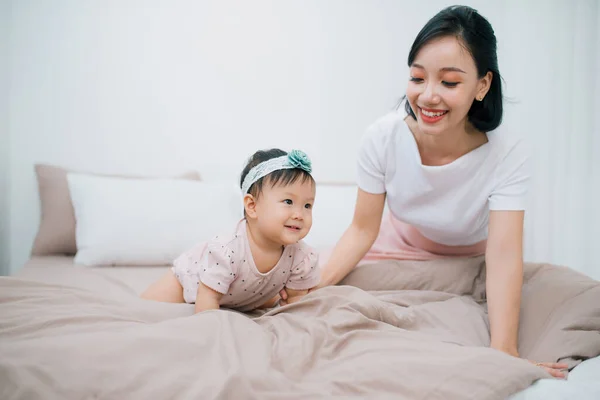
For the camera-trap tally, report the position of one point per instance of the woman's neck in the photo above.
(445, 148)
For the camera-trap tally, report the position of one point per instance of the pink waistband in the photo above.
(401, 241)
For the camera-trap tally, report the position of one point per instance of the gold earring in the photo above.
(480, 98)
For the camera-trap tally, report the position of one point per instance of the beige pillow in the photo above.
(56, 233)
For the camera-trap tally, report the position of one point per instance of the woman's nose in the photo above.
(430, 94)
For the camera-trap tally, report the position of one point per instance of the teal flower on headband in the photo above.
(299, 159)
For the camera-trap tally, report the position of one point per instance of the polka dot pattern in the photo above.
(225, 265)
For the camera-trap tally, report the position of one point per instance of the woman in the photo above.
(455, 185)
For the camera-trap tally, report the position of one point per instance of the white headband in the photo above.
(294, 159)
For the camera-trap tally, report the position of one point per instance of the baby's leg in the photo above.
(167, 289)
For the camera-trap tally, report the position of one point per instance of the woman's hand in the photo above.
(284, 296)
(554, 369)
(290, 296)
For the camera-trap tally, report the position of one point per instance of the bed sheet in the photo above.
(123, 283)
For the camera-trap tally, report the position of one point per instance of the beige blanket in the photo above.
(403, 330)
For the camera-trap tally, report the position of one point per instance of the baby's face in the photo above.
(285, 211)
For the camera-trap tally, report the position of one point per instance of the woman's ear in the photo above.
(250, 206)
(483, 86)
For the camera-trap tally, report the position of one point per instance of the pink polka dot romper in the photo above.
(225, 265)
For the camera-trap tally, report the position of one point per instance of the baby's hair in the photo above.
(279, 177)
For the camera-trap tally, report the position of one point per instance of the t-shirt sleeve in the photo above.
(217, 270)
(305, 274)
(512, 182)
(189, 257)
(371, 161)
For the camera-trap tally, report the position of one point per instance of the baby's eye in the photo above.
(288, 202)
(308, 205)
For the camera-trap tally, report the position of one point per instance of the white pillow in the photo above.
(332, 214)
(147, 222)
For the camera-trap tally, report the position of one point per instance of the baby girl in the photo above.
(264, 254)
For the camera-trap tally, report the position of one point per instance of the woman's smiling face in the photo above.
(443, 84)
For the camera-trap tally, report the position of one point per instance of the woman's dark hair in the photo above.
(475, 33)
(279, 177)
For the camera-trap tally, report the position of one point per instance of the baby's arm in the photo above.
(304, 277)
(207, 299)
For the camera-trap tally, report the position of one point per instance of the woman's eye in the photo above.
(309, 206)
(416, 80)
(288, 202)
(450, 84)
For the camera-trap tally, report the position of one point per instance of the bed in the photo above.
(392, 329)
(77, 332)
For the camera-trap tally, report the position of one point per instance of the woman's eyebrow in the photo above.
(452, 69)
(445, 69)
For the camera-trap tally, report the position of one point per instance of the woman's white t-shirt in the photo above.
(448, 204)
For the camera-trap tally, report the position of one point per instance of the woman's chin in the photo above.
(433, 130)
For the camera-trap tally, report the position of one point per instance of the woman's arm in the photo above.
(504, 278)
(294, 295)
(504, 281)
(357, 239)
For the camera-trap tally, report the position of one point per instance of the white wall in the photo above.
(4, 137)
(551, 69)
(153, 86)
